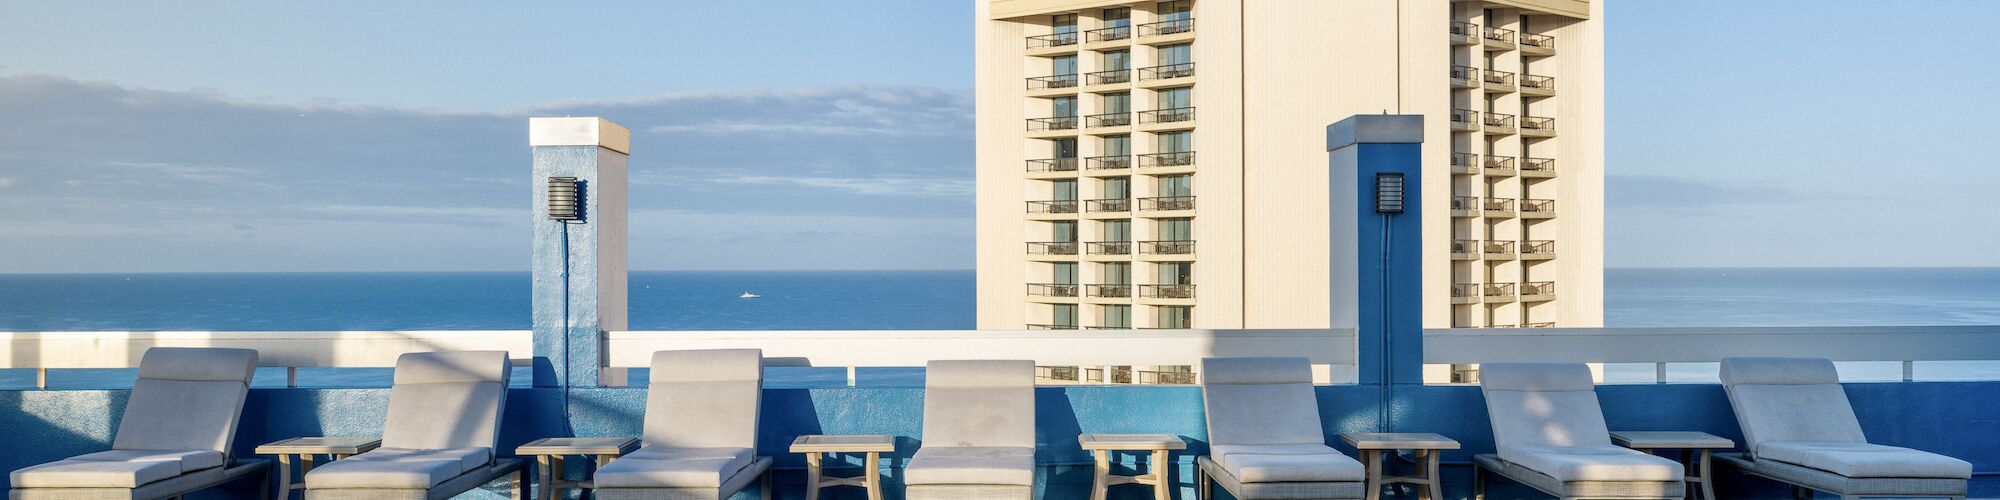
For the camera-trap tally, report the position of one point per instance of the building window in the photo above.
(1117, 17)
(1063, 189)
(1117, 273)
(1173, 316)
(1117, 61)
(1179, 53)
(1174, 186)
(1177, 229)
(1174, 142)
(1064, 147)
(1064, 231)
(1062, 107)
(1117, 103)
(1117, 230)
(1117, 145)
(1062, 23)
(1115, 316)
(1065, 65)
(1174, 98)
(1116, 188)
(1176, 273)
(1176, 10)
(1065, 273)
(1064, 315)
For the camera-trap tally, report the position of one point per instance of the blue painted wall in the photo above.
(1956, 418)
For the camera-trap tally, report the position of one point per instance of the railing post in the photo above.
(1375, 246)
(579, 258)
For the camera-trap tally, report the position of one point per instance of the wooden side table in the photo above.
(1161, 445)
(549, 453)
(1688, 442)
(816, 446)
(305, 449)
(1426, 446)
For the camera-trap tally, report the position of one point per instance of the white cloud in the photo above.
(6, 183)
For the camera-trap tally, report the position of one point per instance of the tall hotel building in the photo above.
(1164, 165)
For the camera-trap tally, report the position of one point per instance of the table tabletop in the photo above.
(320, 446)
(844, 443)
(1126, 442)
(1670, 439)
(579, 446)
(1398, 441)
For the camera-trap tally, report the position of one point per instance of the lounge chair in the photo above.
(444, 419)
(700, 437)
(979, 432)
(1551, 436)
(1265, 436)
(174, 439)
(1798, 428)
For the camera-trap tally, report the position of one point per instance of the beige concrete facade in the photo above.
(1212, 207)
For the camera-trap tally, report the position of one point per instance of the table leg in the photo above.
(1372, 461)
(1100, 480)
(559, 477)
(1707, 485)
(812, 475)
(284, 476)
(874, 475)
(542, 470)
(305, 463)
(1163, 476)
(1431, 487)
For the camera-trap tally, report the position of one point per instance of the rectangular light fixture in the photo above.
(1389, 193)
(565, 199)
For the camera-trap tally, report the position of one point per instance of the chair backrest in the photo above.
(1542, 404)
(1789, 400)
(444, 400)
(705, 399)
(186, 399)
(1260, 401)
(979, 403)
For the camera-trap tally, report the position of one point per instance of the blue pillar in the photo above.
(1376, 241)
(579, 261)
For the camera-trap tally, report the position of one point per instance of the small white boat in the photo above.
(748, 295)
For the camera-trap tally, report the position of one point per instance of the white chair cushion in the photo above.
(447, 400)
(186, 399)
(398, 468)
(704, 399)
(663, 467)
(1592, 463)
(971, 465)
(979, 403)
(1867, 460)
(1260, 400)
(1543, 404)
(115, 469)
(1789, 400)
(1277, 463)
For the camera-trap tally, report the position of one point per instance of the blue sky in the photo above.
(264, 136)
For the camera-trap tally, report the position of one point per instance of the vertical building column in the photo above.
(579, 257)
(1376, 242)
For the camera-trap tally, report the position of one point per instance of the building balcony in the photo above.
(1538, 85)
(1174, 159)
(1498, 123)
(1052, 248)
(1497, 293)
(1112, 77)
(1538, 250)
(1167, 28)
(1170, 115)
(1464, 249)
(1464, 77)
(1538, 209)
(1497, 250)
(1051, 327)
(1066, 290)
(1109, 205)
(1464, 33)
(1166, 203)
(1538, 44)
(1464, 206)
(1167, 247)
(1108, 120)
(1538, 167)
(1538, 291)
(1538, 126)
(1109, 247)
(1495, 38)
(1111, 34)
(1464, 120)
(1167, 72)
(1496, 81)
(1498, 166)
(1052, 82)
(1465, 293)
(1539, 324)
(1166, 291)
(1497, 207)
(1052, 165)
(1119, 162)
(1053, 40)
(1464, 163)
(1113, 291)
(1052, 124)
(1052, 207)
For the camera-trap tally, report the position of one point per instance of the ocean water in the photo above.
(833, 300)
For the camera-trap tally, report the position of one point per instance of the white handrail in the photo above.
(1710, 344)
(291, 350)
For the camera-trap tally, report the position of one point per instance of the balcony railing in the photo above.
(1173, 27)
(1497, 290)
(1498, 206)
(1538, 164)
(1052, 248)
(1109, 205)
(1464, 293)
(1052, 82)
(1166, 291)
(1052, 165)
(1538, 82)
(1052, 289)
(1108, 162)
(1109, 247)
(1052, 207)
(1170, 71)
(1499, 120)
(1464, 205)
(1052, 40)
(1538, 207)
(1464, 76)
(1497, 77)
(1115, 76)
(1498, 248)
(1109, 120)
(1538, 288)
(1538, 123)
(1052, 123)
(1464, 119)
(1499, 164)
(1492, 34)
(1169, 115)
(1463, 163)
(1163, 203)
(1175, 159)
(1167, 247)
(1112, 291)
(1538, 248)
(1051, 327)
(1465, 249)
(1538, 40)
(1108, 34)
(1464, 32)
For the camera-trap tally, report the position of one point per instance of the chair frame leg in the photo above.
(1478, 482)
